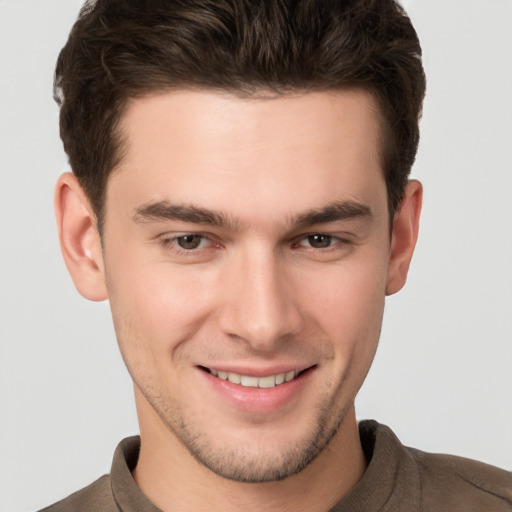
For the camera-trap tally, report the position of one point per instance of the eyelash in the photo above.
(172, 243)
(336, 241)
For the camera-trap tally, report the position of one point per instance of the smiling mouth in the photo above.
(249, 381)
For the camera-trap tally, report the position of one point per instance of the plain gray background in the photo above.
(442, 378)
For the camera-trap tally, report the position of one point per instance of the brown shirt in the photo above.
(397, 479)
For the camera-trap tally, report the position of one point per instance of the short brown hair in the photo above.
(123, 49)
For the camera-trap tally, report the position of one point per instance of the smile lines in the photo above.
(269, 381)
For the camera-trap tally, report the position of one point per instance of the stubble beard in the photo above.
(240, 463)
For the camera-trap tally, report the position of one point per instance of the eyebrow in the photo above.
(338, 211)
(164, 210)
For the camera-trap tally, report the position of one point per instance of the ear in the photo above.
(403, 237)
(79, 238)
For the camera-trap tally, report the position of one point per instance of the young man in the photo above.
(240, 194)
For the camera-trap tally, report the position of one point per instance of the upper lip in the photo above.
(257, 371)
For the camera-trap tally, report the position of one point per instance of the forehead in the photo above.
(203, 147)
(188, 118)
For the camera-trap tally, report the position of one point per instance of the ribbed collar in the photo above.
(391, 481)
(126, 492)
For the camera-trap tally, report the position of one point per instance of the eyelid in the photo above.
(167, 239)
(345, 238)
(211, 244)
(333, 241)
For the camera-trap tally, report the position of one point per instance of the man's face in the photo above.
(248, 239)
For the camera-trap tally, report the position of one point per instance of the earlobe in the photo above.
(404, 237)
(79, 238)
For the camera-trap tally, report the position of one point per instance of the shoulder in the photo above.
(96, 496)
(462, 484)
(412, 480)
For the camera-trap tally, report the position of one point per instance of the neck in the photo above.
(170, 477)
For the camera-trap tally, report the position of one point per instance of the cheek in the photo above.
(347, 303)
(154, 303)
(351, 319)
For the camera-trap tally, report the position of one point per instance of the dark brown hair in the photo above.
(123, 49)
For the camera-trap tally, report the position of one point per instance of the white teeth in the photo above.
(249, 382)
(289, 376)
(234, 378)
(267, 382)
(255, 382)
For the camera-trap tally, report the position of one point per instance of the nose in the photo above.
(259, 303)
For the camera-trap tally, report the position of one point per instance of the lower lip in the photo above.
(264, 400)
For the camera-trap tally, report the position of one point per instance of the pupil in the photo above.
(189, 241)
(319, 241)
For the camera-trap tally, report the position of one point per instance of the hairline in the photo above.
(119, 137)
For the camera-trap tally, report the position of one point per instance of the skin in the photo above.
(258, 283)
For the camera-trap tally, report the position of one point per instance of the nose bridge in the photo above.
(259, 305)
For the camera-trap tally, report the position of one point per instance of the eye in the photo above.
(319, 241)
(191, 241)
(189, 247)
